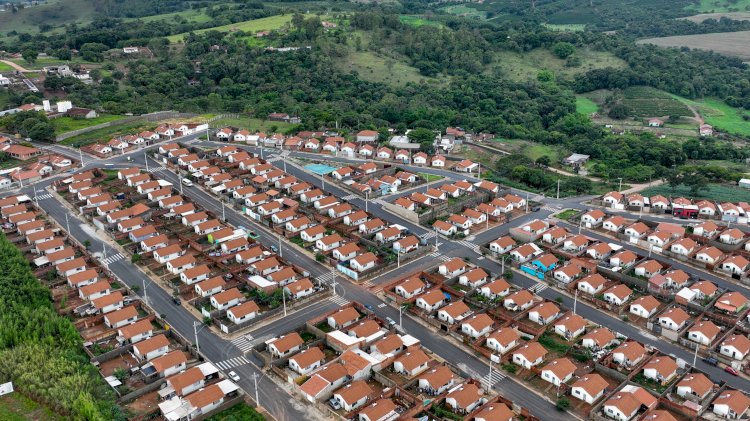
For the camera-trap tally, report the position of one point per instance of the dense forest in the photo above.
(41, 350)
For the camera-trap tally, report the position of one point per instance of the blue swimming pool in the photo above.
(320, 169)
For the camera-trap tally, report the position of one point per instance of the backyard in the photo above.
(17, 407)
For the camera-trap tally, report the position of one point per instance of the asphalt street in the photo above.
(274, 398)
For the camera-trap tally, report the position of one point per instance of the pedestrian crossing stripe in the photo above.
(428, 235)
(380, 202)
(350, 197)
(156, 169)
(492, 379)
(232, 362)
(381, 305)
(367, 284)
(274, 159)
(469, 245)
(328, 277)
(540, 286)
(339, 300)
(112, 259)
(43, 196)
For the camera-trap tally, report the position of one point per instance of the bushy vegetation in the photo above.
(41, 351)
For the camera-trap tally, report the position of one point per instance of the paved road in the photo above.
(278, 401)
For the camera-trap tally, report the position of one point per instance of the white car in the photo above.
(187, 182)
(232, 375)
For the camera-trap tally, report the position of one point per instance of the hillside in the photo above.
(55, 13)
(727, 43)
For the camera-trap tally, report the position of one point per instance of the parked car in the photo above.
(711, 361)
(370, 307)
(187, 182)
(232, 375)
(390, 321)
(731, 371)
(176, 300)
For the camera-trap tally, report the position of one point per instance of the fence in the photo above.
(161, 115)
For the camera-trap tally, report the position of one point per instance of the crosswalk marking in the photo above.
(538, 287)
(381, 305)
(43, 196)
(232, 362)
(489, 381)
(243, 343)
(428, 235)
(339, 300)
(367, 284)
(324, 279)
(350, 197)
(156, 169)
(380, 202)
(111, 259)
(274, 159)
(469, 245)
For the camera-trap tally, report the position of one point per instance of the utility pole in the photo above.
(367, 200)
(436, 239)
(487, 220)
(145, 295)
(580, 224)
(620, 189)
(398, 259)
(558, 189)
(479, 171)
(333, 282)
(145, 157)
(695, 356)
(195, 331)
(502, 267)
(489, 376)
(281, 253)
(67, 224)
(80, 152)
(527, 202)
(575, 302)
(400, 319)
(35, 198)
(255, 378)
(104, 250)
(223, 212)
(283, 299)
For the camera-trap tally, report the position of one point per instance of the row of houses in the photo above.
(678, 206)
(146, 137)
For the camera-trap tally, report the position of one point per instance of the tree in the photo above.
(425, 138)
(696, 182)
(543, 161)
(545, 76)
(30, 55)
(87, 244)
(618, 111)
(135, 258)
(562, 403)
(42, 131)
(563, 49)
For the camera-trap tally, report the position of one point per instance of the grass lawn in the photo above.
(717, 192)
(17, 407)
(585, 105)
(465, 11)
(566, 214)
(418, 21)
(192, 15)
(48, 61)
(720, 115)
(255, 25)
(6, 67)
(53, 13)
(68, 124)
(429, 177)
(531, 149)
(7, 162)
(241, 411)
(252, 124)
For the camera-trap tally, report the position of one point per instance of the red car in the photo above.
(731, 371)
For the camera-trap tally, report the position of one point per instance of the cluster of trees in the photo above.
(41, 350)
(522, 169)
(29, 124)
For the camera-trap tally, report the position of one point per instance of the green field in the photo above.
(570, 27)
(4, 101)
(524, 66)
(720, 115)
(252, 124)
(375, 68)
(6, 67)
(255, 25)
(68, 124)
(465, 11)
(241, 411)
(711, 6)
(191, 15)
(47, 61)
(717, 192)
(53, 13)
(17, 407)
(105, 134)
(644, 101)
(585, 105)
(531, 149)
(417, 21)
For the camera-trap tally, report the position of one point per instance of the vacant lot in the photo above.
(728, 43)
(255, 25)
(68, 124)
(717, 192)
(569, 27)
(17, 407)
(417, 21)
(375, 68)
(717, 16)
(720, 115)
(252, 124)
(465, 11)
(644, 101)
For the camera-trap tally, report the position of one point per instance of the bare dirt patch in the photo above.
(727, 43)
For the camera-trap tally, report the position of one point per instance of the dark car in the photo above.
(370, 307)
(176, 300)
(711, 361)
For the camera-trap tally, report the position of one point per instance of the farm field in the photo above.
(17, 407)
(255, 25)
(717, 16)
(710, 6)
(645, 101)
(585, 105)
(53, 13)
(525, 66)
(569, 27)
(193, 15)
(716, 192)
(727, 43)
(68, 124)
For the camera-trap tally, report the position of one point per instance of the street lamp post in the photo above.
(367, 200)
(195, 331)
(558, 189)
(145, 295)
(67, 224)
(145, 158)
(283, 298)
(255, 378)
(281, 253)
